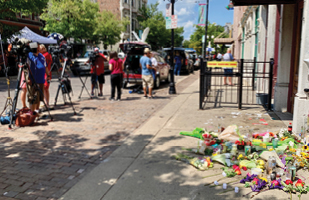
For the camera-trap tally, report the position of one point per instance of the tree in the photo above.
(158, 36)
(72, 18)
(109, 28)
(9, 8)
(196, 38)
(186, 44)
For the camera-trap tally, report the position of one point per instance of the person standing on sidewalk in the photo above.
(97, 71)
(145, 64)
(228, 72)
(116, 67)
(49, 61)
(178, 62)
(154, 64)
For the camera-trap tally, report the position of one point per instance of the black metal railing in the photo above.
(252, 83)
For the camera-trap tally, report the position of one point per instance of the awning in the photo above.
(261, 2)
(224, 40)
(28, 34)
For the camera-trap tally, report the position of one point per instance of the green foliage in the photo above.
(72, 18)
(196, 37)
(186, 43)
(229, 173)
(82, 20)
(109, 28)
(9, 8)
(158, 36)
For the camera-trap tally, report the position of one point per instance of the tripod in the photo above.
(83, 85)
(63, 87)
(23, 68)
(9, 102)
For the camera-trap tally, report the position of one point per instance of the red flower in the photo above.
(275, 182)
(289, 182)
(299, 183)
(255, 181)
(244, 168)
(238, 172)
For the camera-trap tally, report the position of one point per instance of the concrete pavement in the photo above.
(143, 167)
(45, 160)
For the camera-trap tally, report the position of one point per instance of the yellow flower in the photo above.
(240, 157)
(264, 179)
(292, 150)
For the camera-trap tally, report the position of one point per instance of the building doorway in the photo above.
(295, 57)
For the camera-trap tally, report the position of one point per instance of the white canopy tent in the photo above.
(28, 34)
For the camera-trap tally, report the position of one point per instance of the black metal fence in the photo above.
(250, 83)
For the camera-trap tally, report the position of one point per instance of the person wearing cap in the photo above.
(97, 72)
(146, 66)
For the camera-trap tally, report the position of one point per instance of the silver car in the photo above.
(80, 66)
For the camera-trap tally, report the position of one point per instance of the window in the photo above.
(132, 1)
(125, 1)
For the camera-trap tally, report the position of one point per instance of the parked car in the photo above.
(132, 71)
(187, 65)
(194, 58)
(80, 66)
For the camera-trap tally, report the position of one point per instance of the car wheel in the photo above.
(124, 85)
(157, 82)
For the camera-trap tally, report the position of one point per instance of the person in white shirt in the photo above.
(228, 72)
(154, 64)
(219, 56)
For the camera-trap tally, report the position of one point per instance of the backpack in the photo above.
(66, 85)
(24, 117)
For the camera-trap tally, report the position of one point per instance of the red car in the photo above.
(132, 71)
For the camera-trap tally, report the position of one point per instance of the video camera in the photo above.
(20, 47)
(57, 50)
(93, 56)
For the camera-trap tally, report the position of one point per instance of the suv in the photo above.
(187, 65)
(132, 71)
(79, 63)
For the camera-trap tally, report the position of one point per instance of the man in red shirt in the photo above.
(49, 61)
(97, 71)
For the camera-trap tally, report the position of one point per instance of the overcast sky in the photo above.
(187, 13)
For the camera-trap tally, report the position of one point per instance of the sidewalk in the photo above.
(143, 167)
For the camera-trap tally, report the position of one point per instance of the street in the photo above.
(45, 160)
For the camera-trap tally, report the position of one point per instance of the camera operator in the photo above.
(97, 71)
(49, 61)
(37, 65)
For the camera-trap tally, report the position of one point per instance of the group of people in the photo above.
(97, 73)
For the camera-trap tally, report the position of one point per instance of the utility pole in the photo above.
(172, 89)
(131, 20)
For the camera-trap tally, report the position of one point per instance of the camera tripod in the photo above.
(9, 102)
(63, 87)
(23, 68)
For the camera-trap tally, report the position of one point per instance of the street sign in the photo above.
(203, 39)
(168, 12)
(171, 22)
(168, 22)
(174, 21)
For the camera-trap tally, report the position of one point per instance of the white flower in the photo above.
(224, 174)
(216, 183)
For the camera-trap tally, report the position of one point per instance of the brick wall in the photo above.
(110, 5)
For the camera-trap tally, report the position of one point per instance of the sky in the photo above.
(187, 13)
